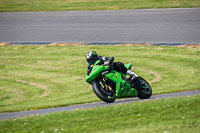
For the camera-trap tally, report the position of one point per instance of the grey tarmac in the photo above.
(93, 105)
(173, 25)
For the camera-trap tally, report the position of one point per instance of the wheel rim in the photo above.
(146, 88)
(108, 94)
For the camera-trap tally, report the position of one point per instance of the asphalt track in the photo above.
(95, 104)
(177, 25)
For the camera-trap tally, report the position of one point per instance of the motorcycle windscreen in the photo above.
(90, 66)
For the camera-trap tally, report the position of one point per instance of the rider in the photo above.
(92, 57)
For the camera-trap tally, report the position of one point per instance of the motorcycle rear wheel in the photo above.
(98, 90)
(145, 91)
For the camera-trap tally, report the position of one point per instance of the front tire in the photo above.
(100, 92)
(145, 90)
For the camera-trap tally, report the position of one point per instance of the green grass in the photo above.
(33, 77)
(69, 5)
(175, 115)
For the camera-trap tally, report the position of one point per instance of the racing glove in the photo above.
(109, 60)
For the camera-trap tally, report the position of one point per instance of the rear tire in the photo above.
(145, 91)
(97, 88)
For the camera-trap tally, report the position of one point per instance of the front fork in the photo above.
(107, 88)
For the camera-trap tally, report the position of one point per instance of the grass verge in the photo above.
(159, 116)
(33, 77)
(69, 5)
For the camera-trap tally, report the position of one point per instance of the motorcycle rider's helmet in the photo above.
(91, 56)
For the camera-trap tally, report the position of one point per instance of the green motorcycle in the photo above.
(109, 84)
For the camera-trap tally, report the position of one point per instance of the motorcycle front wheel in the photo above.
(104, 95)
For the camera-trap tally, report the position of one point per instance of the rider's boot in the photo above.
(132, 74)
(134, 78)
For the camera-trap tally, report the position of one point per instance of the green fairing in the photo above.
(123, 89)
(95, 73)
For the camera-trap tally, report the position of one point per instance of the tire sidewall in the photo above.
(100, 95)
(142, 95)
